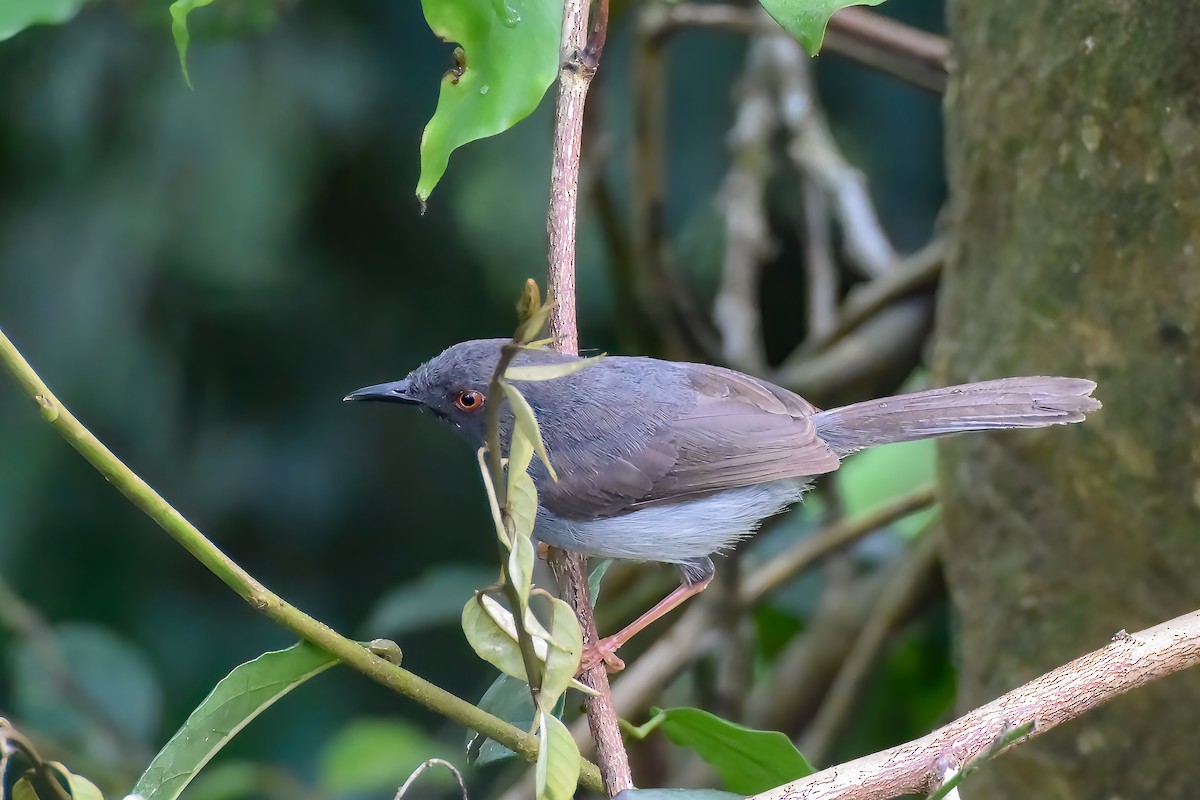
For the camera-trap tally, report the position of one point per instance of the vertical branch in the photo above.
(579, 55)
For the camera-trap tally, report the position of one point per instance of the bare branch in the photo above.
(908, 53)
(817, 156)
(579, 56)
(896, 49)
(1128, 662)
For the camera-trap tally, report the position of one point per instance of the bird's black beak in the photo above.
(394, 392)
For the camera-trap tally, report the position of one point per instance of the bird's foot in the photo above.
(602, 652)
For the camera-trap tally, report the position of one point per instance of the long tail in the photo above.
(989, 405)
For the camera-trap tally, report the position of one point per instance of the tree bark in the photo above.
(1074, 168)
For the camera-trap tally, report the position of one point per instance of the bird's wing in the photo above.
(739, 432)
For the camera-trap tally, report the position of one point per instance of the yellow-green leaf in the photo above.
(522, 505)
(492, 633)
(531, 326)
(179, 29)
(526, 421)
(79, 787)
(557, 769)
(529, 301)
(520, 567)
(548, 372)
(23, 790)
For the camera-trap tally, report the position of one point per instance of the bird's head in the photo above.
(453, 386)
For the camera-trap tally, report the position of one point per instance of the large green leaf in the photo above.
(237, 699)
(17, 15)
(509, 57)
(747, 760)
(806, 19)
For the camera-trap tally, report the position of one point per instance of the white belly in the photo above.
(675, 532)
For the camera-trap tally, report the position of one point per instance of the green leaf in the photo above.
(434, 599)
(567, 650)
(520, 567)
(23, 790)
(17, 15)
(597, 576)
(79, 787)
(509, 59)
(747, 760)
(806, 19)
(520, 454)
(562, 661)
(237, 699)
(557, 770)
(374, 756)
(491, 631)
(526, 422)
(532, 325)
(548, 372)
(507, 698)
(179, 29)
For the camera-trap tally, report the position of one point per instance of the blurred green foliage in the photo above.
(201, 276)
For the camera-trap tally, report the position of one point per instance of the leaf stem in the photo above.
(182, 531)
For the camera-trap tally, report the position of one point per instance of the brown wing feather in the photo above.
(612, 460)
(741, 432)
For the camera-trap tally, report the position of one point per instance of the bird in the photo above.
(673, 462)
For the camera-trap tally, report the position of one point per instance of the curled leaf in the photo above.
(562, 660)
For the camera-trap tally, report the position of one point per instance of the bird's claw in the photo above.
(602, 652)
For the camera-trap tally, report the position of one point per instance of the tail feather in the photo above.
(1033, 402)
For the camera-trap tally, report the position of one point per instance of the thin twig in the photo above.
(1128, 662)
(747, 235)
(913, 273)
(898, 597)
(820, 268)
(816, 155)
(909, 53)
(891, 47)
(579, 56)
(249, 589)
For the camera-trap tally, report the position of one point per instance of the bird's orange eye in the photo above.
(469, 401)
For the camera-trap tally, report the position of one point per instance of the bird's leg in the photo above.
(605, 650)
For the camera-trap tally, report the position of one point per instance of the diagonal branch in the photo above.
(1073, 689)
(249, 589)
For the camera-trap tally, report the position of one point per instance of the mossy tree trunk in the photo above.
(1074, 162)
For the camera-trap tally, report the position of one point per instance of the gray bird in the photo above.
(672, 462)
